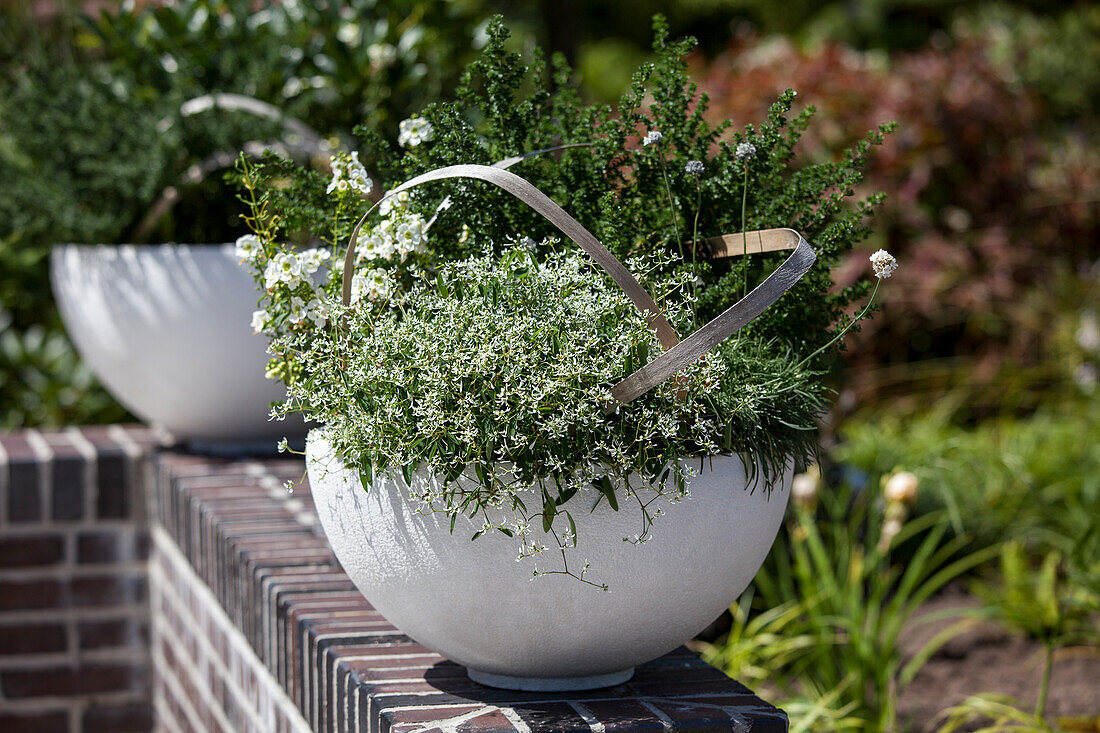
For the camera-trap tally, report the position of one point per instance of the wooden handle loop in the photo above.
(678, 354)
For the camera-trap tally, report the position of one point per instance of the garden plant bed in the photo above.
(987, 658)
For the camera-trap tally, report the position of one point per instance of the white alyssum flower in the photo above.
(380, 242)
(317, 311)
(694, 167)
(413, 131)
(652, 138)
(410, 235)
(745, 151)
(348, 173)
(312, 259)
(283, 268)
(396, 202)
(297, 310)
(883, 263)
(248, 248)
(259, 320)
(375, 285)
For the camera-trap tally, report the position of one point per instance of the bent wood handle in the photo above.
(678, 353)
(733, 318)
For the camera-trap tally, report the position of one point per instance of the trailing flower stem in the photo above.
(859, 316)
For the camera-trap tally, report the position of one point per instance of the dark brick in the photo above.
(67, 489)
(108, 590)
(64, 681)
(142, 545)
(132, 718)
(23, 552)
(46, 722)
(31, 638)
(23, 595)
(105, 546)
(122, 632)
(24, 493)
(112, 500)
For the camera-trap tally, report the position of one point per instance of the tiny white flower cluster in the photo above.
(348, 174)
(413, 131)
(745, 151)
(652, 138)
(883, 264)
(248, 248)
(292, 268)
(694, 167)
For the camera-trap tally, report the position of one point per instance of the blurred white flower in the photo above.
(1088, 333)
(883, 264)
(259, 319)
(652, 138)
(248, 247)
(804, 488)
(381, 54)
(695, 167)
(297, 310)
(890, 529)
(901, 488)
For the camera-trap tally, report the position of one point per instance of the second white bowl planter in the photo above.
(166, 329)
(474, 603)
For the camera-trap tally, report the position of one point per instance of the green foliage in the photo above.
(620, 190)
(333, 65)
(851, 598)
(44, 383)
(1035, 479)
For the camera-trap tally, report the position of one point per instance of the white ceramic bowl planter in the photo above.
(166, 329)
(472, 602)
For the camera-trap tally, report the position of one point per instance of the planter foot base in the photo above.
(550, 684)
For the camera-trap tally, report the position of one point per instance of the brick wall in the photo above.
(255, 621)
(74, 542)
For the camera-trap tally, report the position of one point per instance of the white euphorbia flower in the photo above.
(413, 131)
